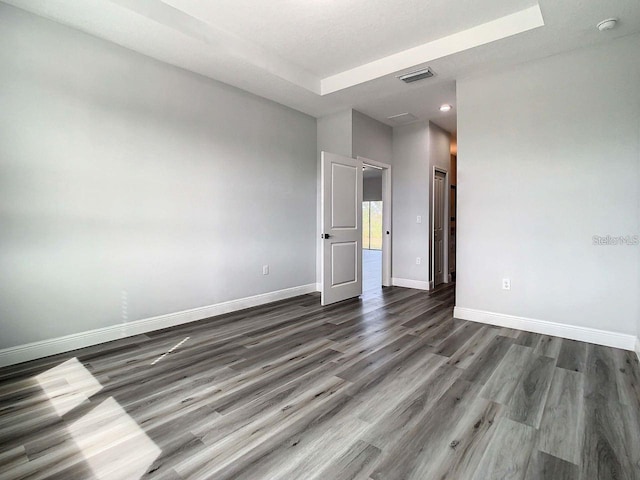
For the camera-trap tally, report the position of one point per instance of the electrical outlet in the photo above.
(265, 269)
(418, 219)
(418, 260)
(506, 284)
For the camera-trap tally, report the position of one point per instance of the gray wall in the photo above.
(549, 156)
(439, 156)
(417, 149)
(412, 150)
(411, 198)
(371, 139)
(439, 147)
(123, 174)
(352, 134)
(334, 135)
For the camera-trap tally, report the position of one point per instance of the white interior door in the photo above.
(439, 192)
(341, 210)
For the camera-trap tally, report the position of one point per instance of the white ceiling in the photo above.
(326, 37)
(322, 56)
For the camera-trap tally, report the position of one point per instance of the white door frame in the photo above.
(445, 266)
(386, 217)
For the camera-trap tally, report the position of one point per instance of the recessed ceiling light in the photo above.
(607, 24)
(445, 108)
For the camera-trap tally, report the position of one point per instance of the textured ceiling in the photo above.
(326, 37)
(285, 49)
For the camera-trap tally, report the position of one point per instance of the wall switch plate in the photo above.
(506, 284)
(418, 260)
(265, 269)
(418, 219)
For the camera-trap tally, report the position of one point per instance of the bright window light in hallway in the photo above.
(372, 225)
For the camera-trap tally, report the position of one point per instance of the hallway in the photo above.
(371, 270)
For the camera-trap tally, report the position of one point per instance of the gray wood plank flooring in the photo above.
(388, 386)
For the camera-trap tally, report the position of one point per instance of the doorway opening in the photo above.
(453, 208)
(444, 216)
(341, 252)
(371, 238)
(439, 238)
(376, 226)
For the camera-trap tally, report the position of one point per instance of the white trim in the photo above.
(404, 282)
(638, 348)
(396, 63)
(373, 163)
(387, 209)
(573, 332)
(44, 348)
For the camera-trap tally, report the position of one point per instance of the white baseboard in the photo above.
(583, 334)
(44, 348)
(638, 348)
(417, 284)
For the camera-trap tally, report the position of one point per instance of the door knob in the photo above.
(325, 236)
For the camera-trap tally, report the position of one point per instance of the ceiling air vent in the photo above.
(402, 118)
(417, 75)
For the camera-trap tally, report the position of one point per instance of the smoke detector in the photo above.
(608, 24)
(417, 75)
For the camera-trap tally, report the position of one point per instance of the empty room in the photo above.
(320, 239)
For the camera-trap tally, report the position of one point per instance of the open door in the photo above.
(341, 211)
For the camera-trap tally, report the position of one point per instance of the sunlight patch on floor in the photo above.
(112, 443)
(68, 385)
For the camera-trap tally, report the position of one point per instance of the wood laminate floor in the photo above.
(389, 386)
